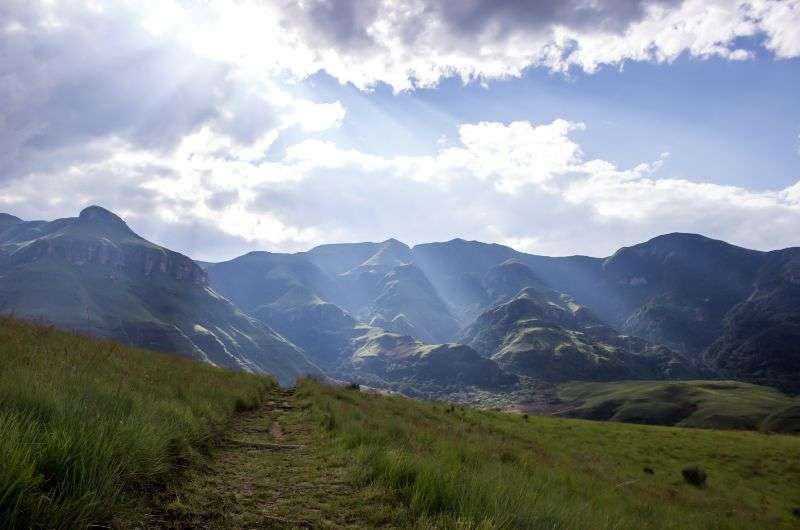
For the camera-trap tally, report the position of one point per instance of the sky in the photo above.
(558, 127)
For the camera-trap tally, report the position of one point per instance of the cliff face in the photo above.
(93, 274)
(98, 237)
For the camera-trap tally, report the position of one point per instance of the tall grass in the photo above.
(462, 468)
(86, 424)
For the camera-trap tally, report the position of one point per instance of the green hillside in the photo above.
(85, 423)
(91, 431)
(464, 468)
(712, 404)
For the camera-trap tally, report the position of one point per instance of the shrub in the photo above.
(694, 475)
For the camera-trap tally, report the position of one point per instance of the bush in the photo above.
(695, 476)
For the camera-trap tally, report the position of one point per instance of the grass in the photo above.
(712, 404)
(87, 426)
(274, 470)
(464, 468)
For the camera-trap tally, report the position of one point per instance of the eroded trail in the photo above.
(271, 472)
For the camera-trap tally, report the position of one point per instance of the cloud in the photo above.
(76, 75)
(524, 184)
(419, 42)
(532, 185)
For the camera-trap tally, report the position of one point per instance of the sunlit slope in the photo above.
(712, 404)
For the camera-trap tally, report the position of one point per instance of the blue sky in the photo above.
(734, 122)
(556, 127)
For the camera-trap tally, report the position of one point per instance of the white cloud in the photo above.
(528, 185)
(418, 42)
(65, 97)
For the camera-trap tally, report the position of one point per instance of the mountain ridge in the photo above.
(697, 297)
(93, 274)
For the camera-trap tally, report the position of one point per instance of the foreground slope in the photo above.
(86, 424)
(462, 468)
(95, 275)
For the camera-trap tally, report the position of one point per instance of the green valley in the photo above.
(97, 433)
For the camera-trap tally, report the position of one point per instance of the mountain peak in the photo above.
(688, 245)
(8, 219)
(97, 215)
(94, 212)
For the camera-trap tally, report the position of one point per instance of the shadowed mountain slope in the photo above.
(761, 337)
(259, 278)
(546, 335)
(733, 308)
(388, 359)
(683, 291)
(93, 274)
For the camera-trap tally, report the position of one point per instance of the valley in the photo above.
(459, 321)
(100, 434)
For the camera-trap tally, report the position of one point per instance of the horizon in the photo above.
(390, 239)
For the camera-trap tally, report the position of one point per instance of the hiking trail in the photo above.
(270, 471)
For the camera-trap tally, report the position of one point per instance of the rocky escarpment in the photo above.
(98, 237)
(93, 274)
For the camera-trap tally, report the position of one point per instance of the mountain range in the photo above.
(93, 274)
(427, 319)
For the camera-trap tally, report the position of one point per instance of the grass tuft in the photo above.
(695, 476)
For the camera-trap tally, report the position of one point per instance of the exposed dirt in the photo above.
(271, 472)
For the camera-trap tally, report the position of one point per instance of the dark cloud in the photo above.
(199, 239)
(508, 16)
(344, 23)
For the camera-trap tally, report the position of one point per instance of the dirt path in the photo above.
(272, 471)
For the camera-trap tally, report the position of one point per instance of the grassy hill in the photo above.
(85, 423)
(464, 468)
(90, 429)
(712, 404)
